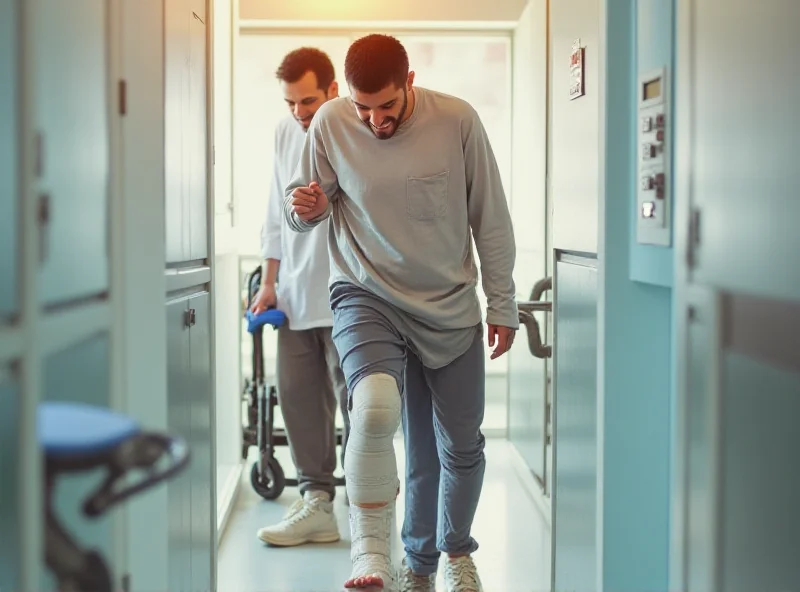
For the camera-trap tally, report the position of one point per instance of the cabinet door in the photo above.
(575, 421)
(202, 471)
(9, 219)
(9, 468)
(72, 113)
(179, 421)
(80, 373)
(176, 96)
(196, 134)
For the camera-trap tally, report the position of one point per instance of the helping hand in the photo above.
(309, 202)
(503, 337)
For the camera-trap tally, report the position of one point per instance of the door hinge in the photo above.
(693, 238)
(123, 97)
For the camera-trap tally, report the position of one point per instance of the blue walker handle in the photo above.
(271, 316)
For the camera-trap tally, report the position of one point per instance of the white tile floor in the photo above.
(514, 538)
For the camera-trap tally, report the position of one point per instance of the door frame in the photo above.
(682, 172)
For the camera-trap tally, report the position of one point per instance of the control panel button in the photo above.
(648, 151)
(660, 135)
(660, 120)
(647, 124)
(659, 180)
(648, 209)
(647, 183)
(660, 192)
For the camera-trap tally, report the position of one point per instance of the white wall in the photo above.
(368, 10)
(529, 148)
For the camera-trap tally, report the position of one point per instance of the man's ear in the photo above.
(410, 81)
(333, 90)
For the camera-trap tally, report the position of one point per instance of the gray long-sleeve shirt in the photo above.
(404, 213)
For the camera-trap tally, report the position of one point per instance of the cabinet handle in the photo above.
(43, 219)
(190, 317)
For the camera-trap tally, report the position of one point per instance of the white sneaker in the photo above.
(460, 575)
(408, 581)
(370, 547)
(309, 520)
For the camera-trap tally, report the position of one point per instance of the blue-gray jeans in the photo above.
(442, 414)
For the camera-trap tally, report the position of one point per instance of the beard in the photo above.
(394, 122)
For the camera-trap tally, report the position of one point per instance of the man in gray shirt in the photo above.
(408, 179)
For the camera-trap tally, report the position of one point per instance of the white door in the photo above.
(738, 140)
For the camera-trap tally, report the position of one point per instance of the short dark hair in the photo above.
(307, 59)
(375, 61)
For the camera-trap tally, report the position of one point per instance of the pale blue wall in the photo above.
(638, 325)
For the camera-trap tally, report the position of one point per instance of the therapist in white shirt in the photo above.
(310, 380)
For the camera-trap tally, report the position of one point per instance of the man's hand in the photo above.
(309, 202)
(500, 336)
(265, 298)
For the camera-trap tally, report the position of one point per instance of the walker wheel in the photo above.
(272, 483)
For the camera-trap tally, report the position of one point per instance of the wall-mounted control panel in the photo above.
(653, 203)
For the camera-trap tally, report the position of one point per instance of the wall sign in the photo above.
(577, 87)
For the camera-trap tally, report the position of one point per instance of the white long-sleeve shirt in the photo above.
(303, 293)
(404, 213)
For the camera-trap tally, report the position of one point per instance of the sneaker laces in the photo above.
(411, 582)
(305, 509)
(294, 509)
(462, 573)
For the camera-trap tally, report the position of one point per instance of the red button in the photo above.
(660, 135)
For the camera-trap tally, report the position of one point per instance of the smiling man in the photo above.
(408, 179)
(310, 379)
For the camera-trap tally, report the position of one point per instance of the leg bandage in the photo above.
(370, 465)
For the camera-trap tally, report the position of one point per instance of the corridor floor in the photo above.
(514, 538)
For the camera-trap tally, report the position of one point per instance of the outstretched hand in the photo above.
(500, 338)
(309, 202)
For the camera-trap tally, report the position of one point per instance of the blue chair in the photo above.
(77, 438)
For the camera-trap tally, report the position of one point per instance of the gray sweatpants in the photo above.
(310, 382)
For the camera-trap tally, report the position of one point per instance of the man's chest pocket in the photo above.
(426, 197)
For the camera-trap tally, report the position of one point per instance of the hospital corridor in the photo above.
(429, 296)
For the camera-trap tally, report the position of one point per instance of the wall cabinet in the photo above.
(72, 118)
(186, 131)
(9, 218)
(192, 515)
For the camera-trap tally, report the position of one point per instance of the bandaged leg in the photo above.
(372, 482)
